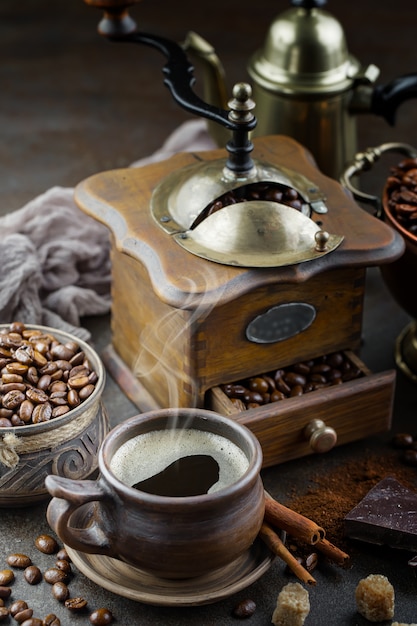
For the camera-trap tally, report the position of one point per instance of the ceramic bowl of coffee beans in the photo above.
(52, 419)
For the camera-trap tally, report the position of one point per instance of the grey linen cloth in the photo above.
(55, 264)
(55, 259)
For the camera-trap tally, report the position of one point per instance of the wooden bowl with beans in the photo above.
(52, 419)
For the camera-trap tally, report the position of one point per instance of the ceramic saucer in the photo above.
(137, 584)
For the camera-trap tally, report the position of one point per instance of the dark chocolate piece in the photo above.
(387, 515)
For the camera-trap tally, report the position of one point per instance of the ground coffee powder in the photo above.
(333, 494)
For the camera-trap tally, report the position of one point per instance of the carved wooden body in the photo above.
(179, 321)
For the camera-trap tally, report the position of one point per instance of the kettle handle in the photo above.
(364, 161)
(387, 98)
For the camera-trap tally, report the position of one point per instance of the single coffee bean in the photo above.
(51, 620)
(4, 613)
(18, 606)
(245, 608)
(101, 617)
(46, 544)
(75, 604)
(297, 390)
(62, 555)
(33, 575)
(402, 440)
(253, 396)
(64, 566)
(13, 399)
(19, 560)
(23, 615)
(60, 591)
(54, 575)
(6, 576)
(5, 592)
(292, 379)
(57, 411)
(258, 384)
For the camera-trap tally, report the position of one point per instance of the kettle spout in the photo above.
(214, 85)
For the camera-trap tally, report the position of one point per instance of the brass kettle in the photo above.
(307, 85)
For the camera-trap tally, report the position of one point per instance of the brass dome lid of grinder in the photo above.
(247, 233)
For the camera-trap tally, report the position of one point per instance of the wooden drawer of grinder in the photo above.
(354, 410)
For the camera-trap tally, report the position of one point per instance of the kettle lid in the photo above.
(305, 50)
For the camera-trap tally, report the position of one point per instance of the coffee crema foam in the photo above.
(150, 453)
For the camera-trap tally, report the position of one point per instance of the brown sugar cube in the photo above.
(293, 606)
(375, 598)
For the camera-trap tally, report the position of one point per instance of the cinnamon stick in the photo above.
(293, 523)
(333, 553)
(274, 543)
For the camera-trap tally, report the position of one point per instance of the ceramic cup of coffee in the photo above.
(179, 494)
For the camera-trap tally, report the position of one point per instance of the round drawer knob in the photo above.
(322, 438)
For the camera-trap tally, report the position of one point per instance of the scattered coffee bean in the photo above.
(5, 591)
(245, 608)
(18, 606)
(19, 560)
(62, 555)
(46, 544)
(32, 365)
(6, 576)
(407, 444)
(60, 591)
(64, 566)
(23, 615)
(54, 575)
(101, 617)
(51, 620)
(75, 604)
(33, 575)
(402, 440)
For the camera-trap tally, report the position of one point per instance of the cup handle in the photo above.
(68, 496)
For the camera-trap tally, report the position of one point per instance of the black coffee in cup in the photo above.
(179, 463)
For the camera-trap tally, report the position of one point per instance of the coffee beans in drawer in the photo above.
(295, 380)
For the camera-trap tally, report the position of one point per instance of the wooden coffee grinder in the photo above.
(231, 263)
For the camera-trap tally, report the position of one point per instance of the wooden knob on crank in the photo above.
(322, 438)
(116, 19)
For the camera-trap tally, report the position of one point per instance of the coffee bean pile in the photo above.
(41, 378)
(407, 445)
(58, 577)
(295, 380)
(402, 194)
(266, 191)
